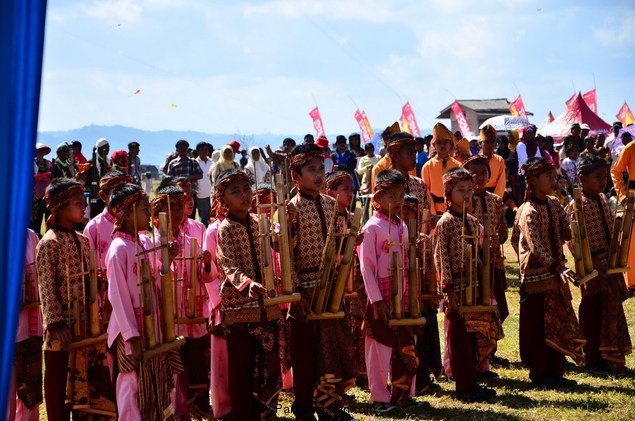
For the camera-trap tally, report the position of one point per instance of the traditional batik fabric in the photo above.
(491, 204)
(540, 229)
(449, 248)
(315, 215)
(614, 340)
(155, 379)
(485, 330)
(239, 257)
(417, 187)
(28, 371)
(562, 331)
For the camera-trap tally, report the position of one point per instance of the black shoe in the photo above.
(601, 368)
(341, 415)
(553, 382)
(386, 409)
(480, 394)
(431, 388)
(495, 359)
(414, 405)
(488, 375)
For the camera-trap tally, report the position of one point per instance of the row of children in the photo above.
(141, 367)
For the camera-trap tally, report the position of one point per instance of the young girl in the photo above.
(252, 337)
(390, 353)
(449, 254)
(143, 386)
(601, 312)
(548, 327)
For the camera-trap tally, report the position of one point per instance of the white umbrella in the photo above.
(505, 123)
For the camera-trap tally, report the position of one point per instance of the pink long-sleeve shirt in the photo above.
(99, 233)
(213, 288)
(30, 320)
(376, 260)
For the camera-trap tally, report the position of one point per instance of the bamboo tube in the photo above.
(191, 288)
(267, 265)
(148, 311)
(469, 274)
(396, 288)
(584, 238)
(93, 309)
(166, 281)
(76, 315)
(413, 279)
(344, 269)
(577, 249)
(283, 237)
(614, 246)
(486, 268)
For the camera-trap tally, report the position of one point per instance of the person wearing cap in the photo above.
(422, 155)
(354, 141)
(497, 180)
(323, 143)
(433, 170)
(575, 132)
(344, 160)
(42, 178)
(235, 146)
(63, 163)
(120, 160)
(584, 131)
(101, 163)
(134, 163)
(76, 151)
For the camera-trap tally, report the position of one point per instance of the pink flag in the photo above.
(317, 122)
(591, 100)
(409, 116)
(548, 119)
(571, 100)
(518, 108)
(461, 120)
(364, 126)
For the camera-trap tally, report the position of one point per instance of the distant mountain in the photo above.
(155, 145)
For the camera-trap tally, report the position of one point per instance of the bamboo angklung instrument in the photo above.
(430, 286)
(621, 238)
(88, 313)
(326, 273)
(580, 241)
(189, 296)
(398, 292)
(475, 297)
(170, 341)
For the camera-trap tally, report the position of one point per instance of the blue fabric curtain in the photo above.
(21, 46)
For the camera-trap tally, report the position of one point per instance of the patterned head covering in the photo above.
(106, 184)
(220, 209)
(185, 184)
(126, 206)
(160, 201)
(590, 163)
(333, 182)
(395, 145)
(462, 146)
(55, 203)
(477, 159)
(488, 131)
(451, 180)
(539, 167)
(384, 187)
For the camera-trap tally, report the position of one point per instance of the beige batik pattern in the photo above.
(237, 263)
(491, 204)
(310, 235)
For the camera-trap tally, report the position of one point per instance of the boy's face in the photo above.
(392, 200)
(573, 153)
(63, 154)
(562, 184)
(595, 181)
(545, 183)
(203, 152)
(177, 213)
(340, 146)
(122, 161)
(443, 146)
(590, 144)
(405, 159)
(182, 151)
(488, 145)
(462, 194)
(370, 151)
(142, 213)
(343, 193)
(189, 207)
(238, 196)
(74, 210)
(311, 176)
(481, 176)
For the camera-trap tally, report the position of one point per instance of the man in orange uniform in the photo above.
(436, 166)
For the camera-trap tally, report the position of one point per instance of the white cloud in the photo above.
(618, 32)
(114, 11)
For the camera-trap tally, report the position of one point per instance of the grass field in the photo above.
(596, 397)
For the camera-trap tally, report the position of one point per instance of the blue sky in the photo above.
(260, 66)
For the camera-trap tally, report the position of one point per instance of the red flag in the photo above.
(364, 126)
(409, 116)
(137, 92)
(518, 108)
(625, 115)
(317, 122)
(591, 100)
(461, 120)
(569, 101)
